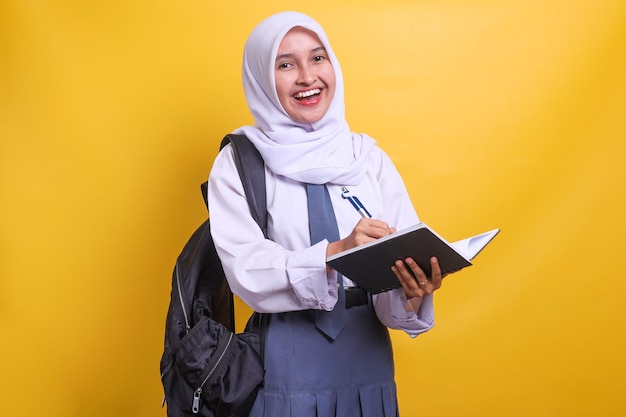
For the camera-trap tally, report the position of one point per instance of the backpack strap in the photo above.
(251, 170)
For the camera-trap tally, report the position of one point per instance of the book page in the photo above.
(471, 246)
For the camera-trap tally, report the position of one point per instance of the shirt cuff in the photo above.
(392, 311)
(314, 285)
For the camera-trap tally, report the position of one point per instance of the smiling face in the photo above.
(304, 76)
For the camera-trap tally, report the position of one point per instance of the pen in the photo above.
(356, 203)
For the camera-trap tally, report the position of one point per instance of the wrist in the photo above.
(334, 248)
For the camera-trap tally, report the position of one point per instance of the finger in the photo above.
(425, 284)
(369, 222)
(436, 276)
(407, 280)
(419, 274)
(375, 228)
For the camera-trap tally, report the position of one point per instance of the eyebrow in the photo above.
(289, 55)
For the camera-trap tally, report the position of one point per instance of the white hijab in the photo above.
(322, 152)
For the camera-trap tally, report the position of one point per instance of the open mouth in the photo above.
(303, 95)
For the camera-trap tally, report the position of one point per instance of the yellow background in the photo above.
(507, 113)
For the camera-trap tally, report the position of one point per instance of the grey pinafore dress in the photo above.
(310, 375)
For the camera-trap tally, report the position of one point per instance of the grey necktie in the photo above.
(323, 225)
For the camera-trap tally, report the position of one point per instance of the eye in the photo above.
(319, 58)
(283, 65)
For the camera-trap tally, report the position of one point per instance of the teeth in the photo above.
(307, 93)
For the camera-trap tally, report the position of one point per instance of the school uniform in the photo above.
(285, 277)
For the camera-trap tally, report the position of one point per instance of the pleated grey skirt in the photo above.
(309, 375)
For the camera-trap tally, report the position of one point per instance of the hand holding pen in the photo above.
(366, 229)
(413, 280)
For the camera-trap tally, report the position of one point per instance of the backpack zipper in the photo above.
(182, 304)
(196, 395)
(182, 300)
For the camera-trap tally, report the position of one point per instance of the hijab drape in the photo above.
(322, 152)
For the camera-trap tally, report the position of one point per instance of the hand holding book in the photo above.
(369, 265)
(414, 281)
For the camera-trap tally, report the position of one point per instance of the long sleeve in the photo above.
(278, 275)
(285, 273)
(391, 310)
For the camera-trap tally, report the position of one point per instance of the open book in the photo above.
(369, 265)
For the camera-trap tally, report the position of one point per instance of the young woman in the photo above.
(294, 89)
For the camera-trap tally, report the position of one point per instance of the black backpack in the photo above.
(206, 369)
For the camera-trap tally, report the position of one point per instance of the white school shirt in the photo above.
(285, 273)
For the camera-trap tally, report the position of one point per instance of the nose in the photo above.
(306, 75)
